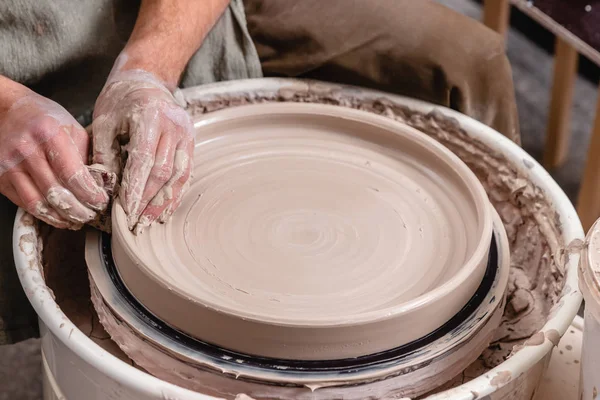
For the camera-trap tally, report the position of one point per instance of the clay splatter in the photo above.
(501, 378)
(553, 336)
(535, 340)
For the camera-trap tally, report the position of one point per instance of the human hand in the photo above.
(136, 114)
(43, 151)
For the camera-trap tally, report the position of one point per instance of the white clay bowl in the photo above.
(312, 232)
(76, 367)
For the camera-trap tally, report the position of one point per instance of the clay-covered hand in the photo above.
(43, 152)
(137, 116)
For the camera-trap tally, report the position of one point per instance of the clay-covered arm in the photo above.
(167, 33)
(137, 105)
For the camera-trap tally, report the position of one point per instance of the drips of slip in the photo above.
(312, 232)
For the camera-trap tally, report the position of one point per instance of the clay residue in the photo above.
(501, 378)
(108, 182)
(531, 223)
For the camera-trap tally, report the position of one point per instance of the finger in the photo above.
(168, 212)
(168, 198)
(144, 138)
(184, 181)
(105, 148)
(32, 201)
(57, 196)
(162, 170)
(66, 162)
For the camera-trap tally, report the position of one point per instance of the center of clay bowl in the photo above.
(310, 230)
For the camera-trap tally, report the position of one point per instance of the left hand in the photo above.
(136, 114)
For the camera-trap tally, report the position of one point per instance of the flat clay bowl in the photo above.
(312, 232)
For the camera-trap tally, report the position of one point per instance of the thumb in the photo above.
(106, 150)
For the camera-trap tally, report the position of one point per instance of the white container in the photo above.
(589, 283)
(77, 368)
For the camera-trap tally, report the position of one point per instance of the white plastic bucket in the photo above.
(77, 368)
(589, 283)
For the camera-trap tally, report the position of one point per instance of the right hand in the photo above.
(43, 152)
(136, 107)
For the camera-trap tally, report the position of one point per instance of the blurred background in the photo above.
(531, 49)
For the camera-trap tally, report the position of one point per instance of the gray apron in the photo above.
(64, 50)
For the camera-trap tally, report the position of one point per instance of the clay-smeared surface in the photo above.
(530, 221)
(304, 216)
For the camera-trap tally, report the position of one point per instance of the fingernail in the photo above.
(144, 222)
(132, 221)
(129, 207)
(166, 214)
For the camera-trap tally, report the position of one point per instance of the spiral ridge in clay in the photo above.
(312, 232)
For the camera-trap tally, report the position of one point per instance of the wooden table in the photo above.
(576, 25)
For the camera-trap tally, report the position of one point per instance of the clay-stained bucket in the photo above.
(589, 283)
(75, 367)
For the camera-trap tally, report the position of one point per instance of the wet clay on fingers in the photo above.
(312, 232)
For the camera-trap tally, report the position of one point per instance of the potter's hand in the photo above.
(137, 115)
(42, 154)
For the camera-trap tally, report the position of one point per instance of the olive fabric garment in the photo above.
(418, 48)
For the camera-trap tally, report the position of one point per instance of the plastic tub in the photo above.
(589, 283)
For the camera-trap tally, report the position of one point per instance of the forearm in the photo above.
(166, 35)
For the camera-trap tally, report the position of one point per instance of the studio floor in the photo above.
(20, 376)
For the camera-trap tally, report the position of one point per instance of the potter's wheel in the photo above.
(316, 244)
(471, 323)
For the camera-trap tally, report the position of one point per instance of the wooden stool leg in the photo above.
(588, 204)
(565, 73)
(496, 15)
